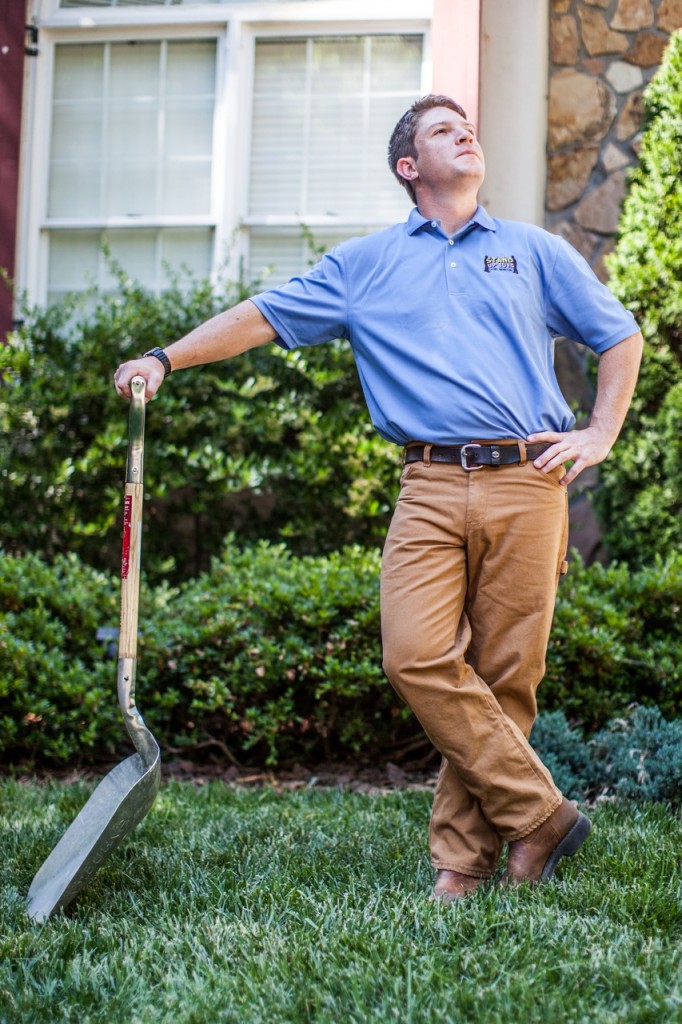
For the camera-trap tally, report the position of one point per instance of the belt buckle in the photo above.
(463, 455)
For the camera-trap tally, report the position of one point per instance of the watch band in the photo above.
(162, 357)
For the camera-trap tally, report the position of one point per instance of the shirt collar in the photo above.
(481, 217)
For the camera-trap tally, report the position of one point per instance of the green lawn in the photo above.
(259, 907)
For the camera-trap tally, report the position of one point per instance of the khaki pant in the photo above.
(469, 576)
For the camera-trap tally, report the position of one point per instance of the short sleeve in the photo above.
(580, 307)
(310, 309)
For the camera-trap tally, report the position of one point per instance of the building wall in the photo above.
(602, 55)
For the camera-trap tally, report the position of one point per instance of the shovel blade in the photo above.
(117, 805)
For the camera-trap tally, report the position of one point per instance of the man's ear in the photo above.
(406, 168)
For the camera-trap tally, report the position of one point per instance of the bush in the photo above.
(636, 757)
(57, 688)
(640, 498)
(565, 753)
(616, 639)
(281, 655)
(274, 657)
(269, 445)
(640, 757)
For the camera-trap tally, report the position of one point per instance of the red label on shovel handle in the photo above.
(127, 519)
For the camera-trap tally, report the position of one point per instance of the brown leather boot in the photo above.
(453, 885)
(535, 857)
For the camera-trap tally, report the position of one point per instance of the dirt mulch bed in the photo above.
(363, 778)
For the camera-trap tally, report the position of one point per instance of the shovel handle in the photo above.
(132, 522)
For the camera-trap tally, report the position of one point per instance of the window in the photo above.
(131, 158)
(323, 110)
(179, 133)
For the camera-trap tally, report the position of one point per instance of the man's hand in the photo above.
(150, 368)
(583, 448)
(616, 379)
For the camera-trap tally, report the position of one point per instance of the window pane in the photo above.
(135, 71)
(189, 127)
(391, 55)
(77, 132)
(73, 261)
(78, 72)
(185, 185)
(133, 131)
(338, 65)
(187, 247)
(131, 189)
(188, 72)
(74, 189)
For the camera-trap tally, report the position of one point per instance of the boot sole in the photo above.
(569, 845)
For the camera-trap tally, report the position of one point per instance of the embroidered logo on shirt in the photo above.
(500, 263)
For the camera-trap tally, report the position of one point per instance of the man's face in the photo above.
(447, 151)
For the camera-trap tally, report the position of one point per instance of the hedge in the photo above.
(272, 658)
(271, 445)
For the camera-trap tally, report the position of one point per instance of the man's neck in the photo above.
(453, 213)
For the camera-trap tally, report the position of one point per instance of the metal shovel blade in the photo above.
(124, 796)
(119, 803)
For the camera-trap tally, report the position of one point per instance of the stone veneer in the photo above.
(603, 54)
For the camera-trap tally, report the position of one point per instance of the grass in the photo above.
(262, 907)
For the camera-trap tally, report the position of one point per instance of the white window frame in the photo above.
(236, 27)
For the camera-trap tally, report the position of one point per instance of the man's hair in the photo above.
(402, 139)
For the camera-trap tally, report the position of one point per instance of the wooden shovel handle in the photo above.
(132, 522)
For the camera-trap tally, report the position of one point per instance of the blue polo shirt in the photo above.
(453, 337)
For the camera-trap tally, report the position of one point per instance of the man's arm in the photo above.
(228, 334)
(616, 379)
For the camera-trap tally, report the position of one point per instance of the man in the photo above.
(452, 317)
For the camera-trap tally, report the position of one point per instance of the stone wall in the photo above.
(603, 53)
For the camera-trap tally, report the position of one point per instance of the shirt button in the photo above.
(450, 241)
(453, 264)
(434, 223)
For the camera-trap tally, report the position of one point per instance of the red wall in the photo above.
(12, 40)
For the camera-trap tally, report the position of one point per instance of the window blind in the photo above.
(323, 112)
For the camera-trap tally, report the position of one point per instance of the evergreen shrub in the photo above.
(616, 639)
(57, 701)
(637, 756)
(640, 497)
(272, 657)
(269, 445)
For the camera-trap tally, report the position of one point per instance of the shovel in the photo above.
(124, 796)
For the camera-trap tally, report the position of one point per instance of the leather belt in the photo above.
(475, 456)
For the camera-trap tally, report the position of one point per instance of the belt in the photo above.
(475, 456)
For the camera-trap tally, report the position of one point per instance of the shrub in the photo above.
(281, 655)
(270, 656)
(565, 753)
(640, 497)
(268, 445)
(640, 757)
(57, 688)
(616, 639)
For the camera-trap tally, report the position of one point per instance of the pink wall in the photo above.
(455, 50)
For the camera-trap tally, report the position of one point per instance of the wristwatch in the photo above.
(162, 357)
